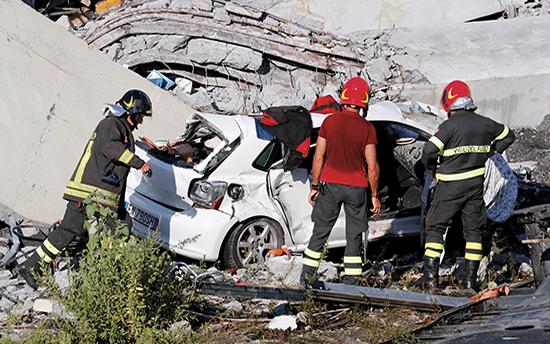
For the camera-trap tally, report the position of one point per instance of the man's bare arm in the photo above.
(374, 176)
(318, 161)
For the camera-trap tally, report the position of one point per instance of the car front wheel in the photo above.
(250, 242)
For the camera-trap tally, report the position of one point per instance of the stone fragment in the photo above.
(242, 11)
(288, 271)
(133, 44)
(6, 304)
(282, 308)
(23, 307)
(306, 18)
(199, 99)
(62, 279)
(234, 306)
(221, 16)
(205, 51)
(58, 309)
(42, 305)
(157, 4)
(181, 325)
(379, 70)
(115, 51)
(183, 4)
(283, 322)
(525, 270)
(172, 43)
(243, 58)
(203, 5)
(66, 23)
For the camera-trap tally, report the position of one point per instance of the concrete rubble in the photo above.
(298, 60)
(240, 57)
(256, 61)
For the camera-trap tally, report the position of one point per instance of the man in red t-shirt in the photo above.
(345, 141)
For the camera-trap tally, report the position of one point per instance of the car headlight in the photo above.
(207, 194)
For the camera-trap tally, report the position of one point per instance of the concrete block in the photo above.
(302, 16)
(243, 11)
(6, 304)
(243, 58)
(288, 271)
(181, 325)
(206, 51)
(42, 305)
(53, 91)
(358, 15)
(283, 322)
(234, 306)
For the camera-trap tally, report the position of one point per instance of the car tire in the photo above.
(249, 242)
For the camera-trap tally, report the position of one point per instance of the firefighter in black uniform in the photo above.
(457, 153)
(103, 168)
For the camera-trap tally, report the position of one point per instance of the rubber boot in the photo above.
(470, 274)
(431, 274)
(308, 276)
(25, 270)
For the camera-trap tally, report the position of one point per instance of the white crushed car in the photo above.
(223, 184)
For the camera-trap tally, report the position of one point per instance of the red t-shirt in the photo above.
(347, 134)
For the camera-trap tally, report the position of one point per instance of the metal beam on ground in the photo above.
(337, 293)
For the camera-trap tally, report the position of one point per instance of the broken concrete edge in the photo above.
(6, 213)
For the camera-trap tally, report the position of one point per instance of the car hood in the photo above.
(170, 179)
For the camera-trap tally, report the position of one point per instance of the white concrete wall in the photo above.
(344, 17)
(52, 91)
(506, 64)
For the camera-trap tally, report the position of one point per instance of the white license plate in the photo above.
(143, 217)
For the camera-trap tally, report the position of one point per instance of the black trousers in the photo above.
(325, 213)
(71, 226)
(465, 196)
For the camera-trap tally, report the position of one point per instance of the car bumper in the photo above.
(195, 233)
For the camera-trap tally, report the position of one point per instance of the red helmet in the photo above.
(356, 92)
(454, 91)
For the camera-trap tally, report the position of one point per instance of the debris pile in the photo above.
(241, 60)
(527, 8)
(529, 155)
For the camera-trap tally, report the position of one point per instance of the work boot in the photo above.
(470, 274)
(431, 274)
(26, 269)
(308, 276)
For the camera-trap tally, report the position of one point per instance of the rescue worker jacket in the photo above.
(105, 163)
(462, 143)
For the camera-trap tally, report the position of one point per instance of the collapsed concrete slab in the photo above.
(505, 63)
(256, 61)
(53, 91)
(358, 15)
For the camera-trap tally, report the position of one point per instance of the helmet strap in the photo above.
(134, 120)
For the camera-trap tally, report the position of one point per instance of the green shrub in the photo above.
(122, 292)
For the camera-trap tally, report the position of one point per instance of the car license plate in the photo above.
(142, 217)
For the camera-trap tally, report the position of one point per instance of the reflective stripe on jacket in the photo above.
(105, 163)
(461, 145)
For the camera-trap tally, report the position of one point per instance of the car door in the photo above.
(289, 192)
